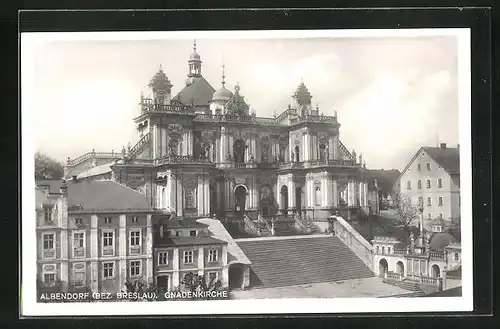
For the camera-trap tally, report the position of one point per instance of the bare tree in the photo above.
(47, 167)
(405, 212)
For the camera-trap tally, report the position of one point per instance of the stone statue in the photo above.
(412, 238)
(327, 153)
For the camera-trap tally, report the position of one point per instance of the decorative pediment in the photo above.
(174, 128)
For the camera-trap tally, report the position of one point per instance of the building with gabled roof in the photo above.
(432, 179)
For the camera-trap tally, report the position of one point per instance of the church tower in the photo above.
(161, 88)
(302, 101)
(221, 96)
(194, 64)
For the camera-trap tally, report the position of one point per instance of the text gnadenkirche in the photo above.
(67, 296)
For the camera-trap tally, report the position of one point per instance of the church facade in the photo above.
(203, 152)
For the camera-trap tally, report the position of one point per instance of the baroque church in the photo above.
(204, 153)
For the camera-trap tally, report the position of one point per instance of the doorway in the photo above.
(382, 267)
(240, 193)
(163, 282)
(298, 199)
(435, 271)
(284, 198)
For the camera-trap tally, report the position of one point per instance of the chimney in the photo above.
(442, 145)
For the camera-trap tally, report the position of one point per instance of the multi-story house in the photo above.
(431, 180)
(99, 235)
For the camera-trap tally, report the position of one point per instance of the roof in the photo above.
(184, 223)
(189, 241)
(199, 92)
(440, 240)
(53, 184)
(40, 196)
(95, 171)
(446, 157)
(386, 179)
(105, 195)
(235, 254)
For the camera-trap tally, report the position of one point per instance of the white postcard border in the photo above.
(29, 305)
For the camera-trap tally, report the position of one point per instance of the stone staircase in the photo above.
(288, 261)
(405, 284)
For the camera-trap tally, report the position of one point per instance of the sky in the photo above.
(392, 94)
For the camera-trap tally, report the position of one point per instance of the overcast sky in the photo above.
(392, 95)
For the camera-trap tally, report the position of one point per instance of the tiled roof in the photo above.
(235, 254)
(446, 157)
(95, 171)
(200, 92)
(385, 178)
(189, 241)
(105, 195)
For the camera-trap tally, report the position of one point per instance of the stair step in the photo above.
(277, 263)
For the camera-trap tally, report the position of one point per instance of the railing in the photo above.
(352, 239)
(400, 252)
(394, 276)
(285, 114)
(145, 139)
(424, 279)
(89, 155)
(314, 163)
(437, 255)
(147, 105)
(181, 159)
(250, 227)
(267, 165)
(292, 165)
(314, 118)
(235, 118)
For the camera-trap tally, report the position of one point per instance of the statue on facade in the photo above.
(327, 152)
(427, 239)
(412, 240)
(228, 157)
(292, 156)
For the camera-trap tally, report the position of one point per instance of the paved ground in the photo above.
(370, 287)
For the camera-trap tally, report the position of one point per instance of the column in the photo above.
(199, 196)
(290, 149)
(180, 196)
(175, 267)
(64, 274)
(122, 251)
(255, 147)
(154, 142)
(225, 267)
(291, 192)
(207, 196)
(226, 194)
(184, 143)
(190, 143)
(365, 194)
(149, 249)
(336, 147)
(164, 141)
(94, 254)
(230, 146)
(314, 145)
(222, 146)
(170, 191)
(201, 260)
(335, 193)
(327, 201)
(278, 193)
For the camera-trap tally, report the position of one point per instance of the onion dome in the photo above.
(194, 55)
(222, 94)
(160, 81)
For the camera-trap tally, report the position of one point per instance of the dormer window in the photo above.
(192, 233)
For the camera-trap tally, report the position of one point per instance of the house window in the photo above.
(163, 258)
(212, 276)
(456, 257)
(419, 167)
(177, 233)
(108, 243)
(107, 220)
(377, 249)
(420, 200)
(78, 244)
(192, 233)
(419, 184)
(49, 250)
(135, 268)
(383, 250)
(79, 275)
(49, 274)
(428, 166)
(440, 200)
(47, 214)
(78, 221)
(408, 185)
(135, 242)
(108, 270)
(188, 257)
(135, 219)
(440, 183)
(429, 201)
(428, 183)
(388, 250)
(212, 255)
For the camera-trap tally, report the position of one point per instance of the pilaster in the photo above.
(225, 267)
(175, 268)
(94, 253)
(199, 196)
(207, 197)
(335, 193)
(180, 195)
(201, 260)
(149, 249)
(325, 190)
(122, 251)
(291, 192)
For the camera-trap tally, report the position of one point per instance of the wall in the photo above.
(352, 239)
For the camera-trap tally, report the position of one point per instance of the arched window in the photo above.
(318, 196)
(173, 148)
(297, 151)
(322, 154)
(383, 250)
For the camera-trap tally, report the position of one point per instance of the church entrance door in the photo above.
(240, 193)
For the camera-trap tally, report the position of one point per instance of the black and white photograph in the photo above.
(244, 172)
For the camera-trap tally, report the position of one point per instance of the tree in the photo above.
(405, 212)
(194, 282)
(47, 167)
